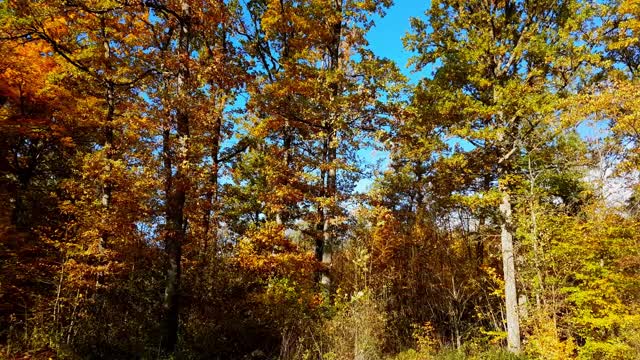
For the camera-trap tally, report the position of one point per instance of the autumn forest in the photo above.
(249, 179)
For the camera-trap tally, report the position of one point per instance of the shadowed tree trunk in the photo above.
(330, 152)
(176, 190)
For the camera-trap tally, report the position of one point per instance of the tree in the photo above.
(613, 99)
(501, 69)
(191, 41)
(100, 44)
(37, 145)
(316, 101)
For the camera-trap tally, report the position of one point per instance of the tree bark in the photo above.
(322, 251)
(109, 148)
(509, 269)
(210, 218)
(108, 144)
(176, 190)
(327, 231)
(330, 151)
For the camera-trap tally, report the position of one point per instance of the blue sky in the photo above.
(385, 39)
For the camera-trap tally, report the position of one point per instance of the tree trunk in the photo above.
(176, 191)
(174, 237)
(108, 145)
(327, 231)
(281, 214)
(323, 242)
(210, 217)
(508, 264)
(330, 149)
(107, 186)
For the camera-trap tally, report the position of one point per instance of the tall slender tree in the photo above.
(196, 78)
(501, 71)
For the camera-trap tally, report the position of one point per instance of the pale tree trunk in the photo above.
(508, 265)
(327, 231)
(211, 213)
(506, 240)
(108, 146)
(323, 242)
